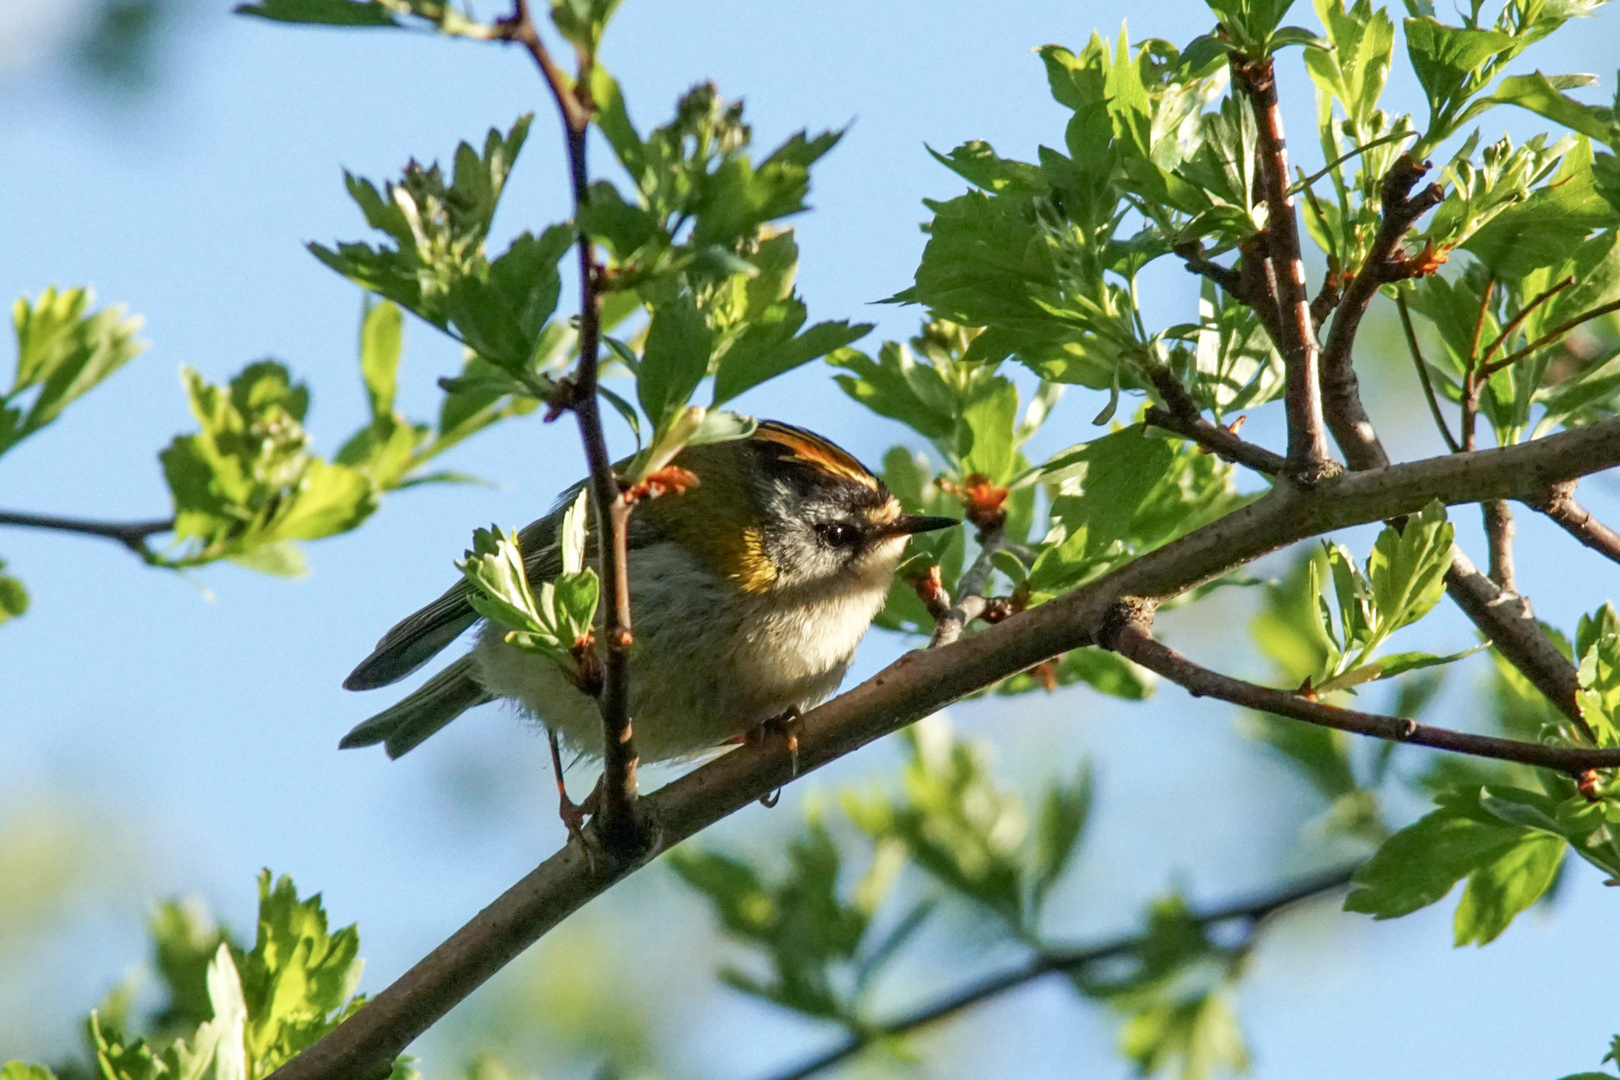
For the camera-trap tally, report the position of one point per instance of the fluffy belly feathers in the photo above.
(710, 661)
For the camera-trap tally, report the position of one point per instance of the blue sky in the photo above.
(189, 724)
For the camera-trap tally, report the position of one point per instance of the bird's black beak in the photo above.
(906, 524)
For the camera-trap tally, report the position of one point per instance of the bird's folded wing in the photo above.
(419, 637)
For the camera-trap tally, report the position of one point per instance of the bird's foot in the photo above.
(790, 725)
(574, 815)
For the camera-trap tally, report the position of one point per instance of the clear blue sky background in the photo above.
(178, 734)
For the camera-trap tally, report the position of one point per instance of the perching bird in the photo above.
(749, 593)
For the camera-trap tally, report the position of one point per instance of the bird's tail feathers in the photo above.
(437, 702)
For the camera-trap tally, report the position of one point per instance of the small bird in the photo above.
(748, 593)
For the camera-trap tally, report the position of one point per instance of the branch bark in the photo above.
(1181, 415)
(621, 828)
(1133, 641)
(917, 685)
(1308, 460)
(1351, 428)
(1252, 911)
(1559, 504)
(1499, 533)
(970, 599)
(133, 535)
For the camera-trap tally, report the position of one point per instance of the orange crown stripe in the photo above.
(812, 449)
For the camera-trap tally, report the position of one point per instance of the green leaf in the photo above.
(382, 332)
(986, 441)
(742, 368)
(1101, 486)
(897, 386)
(1508, 884)
(679, 343)
(13, 596)
(1538, 94)
(581, 22)
(1407, 568)
(810, 934)
(298, 979)
(327, 12)
(1505, 841)
(1058, 828)
(1200, 1038)
(954, 822)
(63, 351)
(17, 1070)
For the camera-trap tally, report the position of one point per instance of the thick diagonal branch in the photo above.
(1251, 912)
(921, 683)
(1307, 444)
(1132, 640)
(621, 829)
(131, 534)
(1341, 395)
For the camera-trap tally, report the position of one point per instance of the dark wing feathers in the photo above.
(419, 637)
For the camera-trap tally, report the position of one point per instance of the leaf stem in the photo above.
(1560, 505)
(1487, 370)
(1422, 366)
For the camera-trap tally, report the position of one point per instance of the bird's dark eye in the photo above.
(837, 534)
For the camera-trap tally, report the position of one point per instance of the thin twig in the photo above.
(1252, 911)
(1524, 313)
(917, 685)
(617, 823)
(132, 535)
(1472, 380)
(1182, 416)
(1305, 182)
(1307, 441)
(1220, 441)
(1346, 417)
(1548, 338)
(1423, 373)
(1560, 505)
(1499, 533)
(970, 599)
(1133, 642)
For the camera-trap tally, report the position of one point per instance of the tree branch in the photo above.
(1559, 504)
(1351, 428)
(1499, 532)
(1307, 444)
(921, 683)
(621, 829)
(970, 599)
(132, 535)
(1133, 641)
(1182, 415)
(1252, 911)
